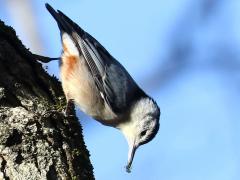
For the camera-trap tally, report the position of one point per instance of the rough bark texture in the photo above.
(36, 140)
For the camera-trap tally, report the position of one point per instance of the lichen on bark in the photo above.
(36, 140)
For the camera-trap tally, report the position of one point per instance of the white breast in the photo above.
(78, 83)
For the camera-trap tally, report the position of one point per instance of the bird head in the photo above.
(142, 126)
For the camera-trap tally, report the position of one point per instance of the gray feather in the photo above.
(112, 80)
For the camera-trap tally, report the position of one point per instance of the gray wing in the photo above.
(115, 85)
(118, 88)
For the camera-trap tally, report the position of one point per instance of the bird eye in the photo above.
(143, 133)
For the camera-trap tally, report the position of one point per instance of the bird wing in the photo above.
(114, 83)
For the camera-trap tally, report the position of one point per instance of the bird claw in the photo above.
(44, 59)
(66, 113)
(68, 110)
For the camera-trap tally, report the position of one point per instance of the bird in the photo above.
(102, 88)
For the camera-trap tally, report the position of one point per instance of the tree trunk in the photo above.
(36, 140)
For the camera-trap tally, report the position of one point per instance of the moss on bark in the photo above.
(36, 140)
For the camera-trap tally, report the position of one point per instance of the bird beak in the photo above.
(131, 153)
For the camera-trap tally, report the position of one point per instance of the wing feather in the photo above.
(114, 83)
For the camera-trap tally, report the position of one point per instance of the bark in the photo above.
(36, 140)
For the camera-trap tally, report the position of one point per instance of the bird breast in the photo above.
(78, 84)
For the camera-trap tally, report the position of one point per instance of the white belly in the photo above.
(78, 84)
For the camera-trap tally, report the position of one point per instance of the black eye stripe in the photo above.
(151, 135)
(143, 133)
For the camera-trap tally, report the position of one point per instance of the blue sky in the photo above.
(185, 54)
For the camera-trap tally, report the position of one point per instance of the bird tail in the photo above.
(65, 24)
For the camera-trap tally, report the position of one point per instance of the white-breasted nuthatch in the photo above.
(102, 87)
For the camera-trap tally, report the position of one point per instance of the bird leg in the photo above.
(69, 108)
(44, 59)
